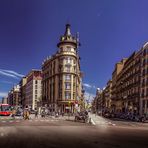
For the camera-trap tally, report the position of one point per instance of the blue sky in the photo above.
(30, 29)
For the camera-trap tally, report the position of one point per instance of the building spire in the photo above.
(67, 37)
(67, 31)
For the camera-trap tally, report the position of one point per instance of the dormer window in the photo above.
(68, 48)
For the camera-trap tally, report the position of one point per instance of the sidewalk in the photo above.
(98, 120)
(66, 118)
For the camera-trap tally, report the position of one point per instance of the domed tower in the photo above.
(62, 85)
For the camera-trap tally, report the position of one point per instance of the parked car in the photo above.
(107, 115)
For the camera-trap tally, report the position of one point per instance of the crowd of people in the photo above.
(43, 112)
(26, 112)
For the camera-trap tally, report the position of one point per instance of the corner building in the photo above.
(62, 81)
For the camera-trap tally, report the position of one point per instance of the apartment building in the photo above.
(144, 80)
(116, 103)
(128, 84)
(14, 96)
(107, 96)
(23, 90)
(33, 89)
(129, 87)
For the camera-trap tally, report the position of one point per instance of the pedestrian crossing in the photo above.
(97, 120)
(104, 123)
(30, 120)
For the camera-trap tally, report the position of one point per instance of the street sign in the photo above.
(67, 107)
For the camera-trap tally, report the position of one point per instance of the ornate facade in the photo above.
(62, 81)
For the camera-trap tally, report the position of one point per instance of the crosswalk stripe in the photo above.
(10, 121)
(31, 120)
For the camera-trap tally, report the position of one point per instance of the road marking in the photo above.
(3, 121)
(92, 121)
(10, 121)
(113, 124)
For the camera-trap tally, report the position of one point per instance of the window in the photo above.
(35, 86)
(74, 96)
(68, 48)
(67, 85)
(67, 77)
(68, 59)
(147, 92)
(67, 95)
(36, 82)
(74, 68)
(67, 68)
(143, 103)
(36, 92)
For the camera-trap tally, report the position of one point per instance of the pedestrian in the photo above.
(26, 114)
(43, 114)
(13, 113)
(36, 113)
(56, 115)
(62, 114)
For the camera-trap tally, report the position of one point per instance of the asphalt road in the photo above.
(60, 133)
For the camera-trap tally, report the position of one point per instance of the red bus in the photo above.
(5, 109)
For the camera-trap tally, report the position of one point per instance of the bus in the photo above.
(5, 109)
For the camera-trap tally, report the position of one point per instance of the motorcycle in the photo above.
(82, 116)
(143, 119)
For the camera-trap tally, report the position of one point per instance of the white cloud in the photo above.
(7, 74)
(87, 85)
(13, 72)
(10, 73)
(7, 82)
(3, 94)
(89, 96)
